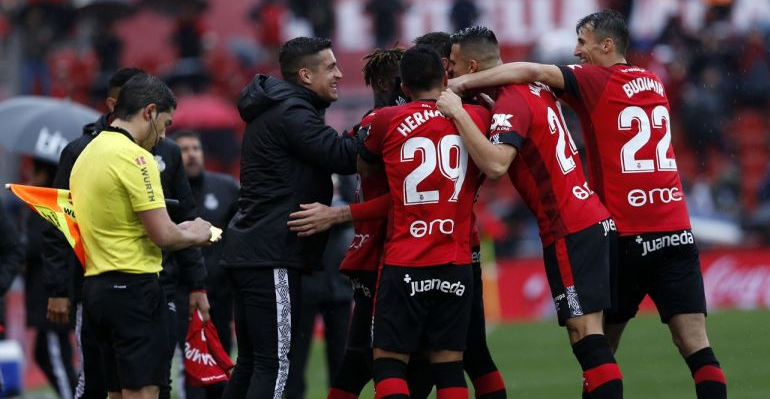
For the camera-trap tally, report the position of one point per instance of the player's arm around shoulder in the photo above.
(510, 73)
(493, 160)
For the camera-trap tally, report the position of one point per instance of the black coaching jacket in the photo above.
(288, 156)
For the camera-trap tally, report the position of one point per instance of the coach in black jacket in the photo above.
(289, 154)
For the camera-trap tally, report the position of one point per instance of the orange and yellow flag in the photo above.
(55, 206)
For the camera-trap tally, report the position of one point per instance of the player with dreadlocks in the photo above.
(363, 258)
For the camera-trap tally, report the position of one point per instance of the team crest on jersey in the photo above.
(161, 164)
(501, 121)
(211, 202)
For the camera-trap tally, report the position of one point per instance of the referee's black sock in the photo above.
(709, 379)
(601, 374)
(354, 373)
(450, 380)
(390, 379)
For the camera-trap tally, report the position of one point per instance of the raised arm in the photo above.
(514, 72)
(492, 160)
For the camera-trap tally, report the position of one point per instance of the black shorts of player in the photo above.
(364, 284)
(477, 329)
(578, 267)
(128, 315)
(412, 301)
(664, 265)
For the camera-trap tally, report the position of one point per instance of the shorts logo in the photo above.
(608, 225)
(572, 302)
(359, 286)
(434, 284)
(671, 240)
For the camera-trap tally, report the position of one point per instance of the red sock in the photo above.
(489, 386)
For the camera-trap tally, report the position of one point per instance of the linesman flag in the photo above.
(55, 206)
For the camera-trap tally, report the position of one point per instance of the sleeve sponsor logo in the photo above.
(501, 121)
(147, 183)
(140, 161)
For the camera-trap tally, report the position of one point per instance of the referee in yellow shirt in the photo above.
(118, 200)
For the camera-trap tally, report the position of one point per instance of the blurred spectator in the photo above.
(269, 17)
(37, 37)
(327, 293)
(704, 113)
(463, 14)
(11, 253)
(386, 15)
(754, 64)
(321, 17)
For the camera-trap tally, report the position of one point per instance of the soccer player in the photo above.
(625, 117)
(426, 281)
(531, 143)
(365, 252)
(477, 360)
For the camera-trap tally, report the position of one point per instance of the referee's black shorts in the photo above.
(128, 315)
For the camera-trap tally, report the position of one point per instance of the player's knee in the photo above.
(688, 333)
(445, 356)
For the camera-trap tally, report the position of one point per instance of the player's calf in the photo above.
(450, 380)
(601, 375)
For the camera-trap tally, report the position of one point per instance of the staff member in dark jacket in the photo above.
(216, 195)
(289, 154)
(61, 266)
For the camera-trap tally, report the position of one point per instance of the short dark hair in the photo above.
(438, 41)
(185, 133)
(141, 90)
(381, 64)
(607, 23)
(296, 53)
(476, 35)
(121, 76)
(421, 68)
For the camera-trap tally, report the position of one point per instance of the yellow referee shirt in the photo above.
(112, 179)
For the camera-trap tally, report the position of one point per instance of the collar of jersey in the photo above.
(122, 131)
(428, 100)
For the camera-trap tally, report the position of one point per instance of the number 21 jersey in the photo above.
(626, 123)
(432, 180)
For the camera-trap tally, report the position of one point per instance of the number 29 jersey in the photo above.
(625, 117)
(432, 180)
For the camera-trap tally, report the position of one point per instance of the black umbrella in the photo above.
(41, 126)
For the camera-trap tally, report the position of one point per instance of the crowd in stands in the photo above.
(718, 80)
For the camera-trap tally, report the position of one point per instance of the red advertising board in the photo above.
(734, 279)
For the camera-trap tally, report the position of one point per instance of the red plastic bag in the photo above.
(205, 361)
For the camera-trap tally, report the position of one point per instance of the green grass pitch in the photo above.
(537, 362)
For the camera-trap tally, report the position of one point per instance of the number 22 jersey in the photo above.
(625, 117)
(432, 180)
